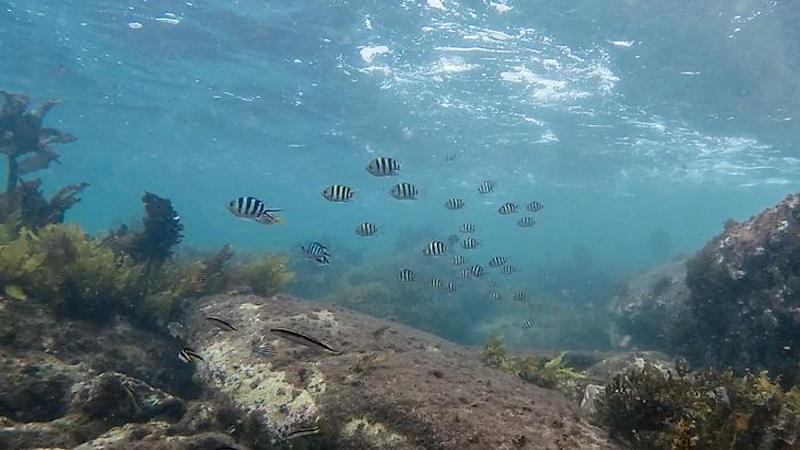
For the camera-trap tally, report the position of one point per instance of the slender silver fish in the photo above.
(302, 339)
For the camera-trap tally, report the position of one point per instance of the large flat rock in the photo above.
(390, 387)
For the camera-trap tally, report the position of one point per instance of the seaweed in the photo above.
(162, 231)
(265, 276)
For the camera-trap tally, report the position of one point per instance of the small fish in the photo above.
(495, 296)
(302, 339)
(470, 243)
(453, 239)
(487, 186)
(467, 228)
(404, 191)
(535, 206)
(477, 271)
(491, 284)
(450, 288)
(300, 432)
(497, 261)
(383, 167)
(436, 282)
(366, 229)
(175, 330)
(187, 355)
(317, 252)
(458, 260)
(508, 269)
(466, 274)
(221, 323)
(527, 323)
(253, 208)
(451, 156)
(406, 275)
(264, 351)
(519, 296)
(526, 222)
(338, 193)
(454, 203)
(507, 208)
(434, 248)
(226, 448)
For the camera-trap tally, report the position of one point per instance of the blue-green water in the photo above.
(641, 125)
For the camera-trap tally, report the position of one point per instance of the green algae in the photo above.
(374, 434)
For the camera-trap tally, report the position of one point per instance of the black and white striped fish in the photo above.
(264, 351)
(507, 208)
(454, 203)
(436, 282)
(519, 296)
(470, 243)
(508, 269)
(451, 156)
(526, 222)
(383, 167)
(317, 252)
(434, 248)
(467, 228)
(338, 193)
(188, 355)
(535, 206)
(404, 191)
(477, 271)
(253, 208)
(406, 275)
(497, 261)
(487, 186)
(495, 296)
(491, 284)
(458, 260)
(450, 288)
(453, 239)
(528, 323)
(366, 229)
(466, 274)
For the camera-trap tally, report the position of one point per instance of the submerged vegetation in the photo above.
(677, 409)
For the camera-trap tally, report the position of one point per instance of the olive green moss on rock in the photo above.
(373, 434)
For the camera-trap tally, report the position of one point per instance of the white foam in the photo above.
(168, 20)
(370, 52)
(501, 8)
(471, 49)
(135, 26)
(622, 44)
(436, 4)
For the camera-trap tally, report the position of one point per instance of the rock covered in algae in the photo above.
(390, 387)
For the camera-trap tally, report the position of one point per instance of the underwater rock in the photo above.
(624, 362)
(396, 388)
(156, 436)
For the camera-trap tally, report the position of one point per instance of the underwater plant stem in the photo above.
(12, 174)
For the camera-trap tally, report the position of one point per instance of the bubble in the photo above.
(135, 25)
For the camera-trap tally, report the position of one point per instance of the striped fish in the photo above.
(436, 282)
(508, 269)
(453, 239)
(338, 193)
(519, 296)
(470, 243)
(434, 248)
(366, 229)
(454, 203)
(495, 296)
(535, 206)
(382, 167)
(253, 208)
(450, 288)
(527, 323)
(406, 275)
(467, 228)
(497, 261)
(507, 208)
(317, 252)
(300, 432)
(188, 355)
(526, 222)
(451, 156)
(491, 284)
(487, 186)
(458, 260)
(466, 274)
(404, 191)
(264, 351)
(302, 339)
(477, 271)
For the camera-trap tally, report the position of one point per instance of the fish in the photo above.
(519, 296)
(366, 229)
(300, 432)
(470, 243)
(497, 261)
(466, 273)
(434, 248)
(508, 269)
(226, 448)
(526, 222)
(491, 284)
(317, 252)
(436, 282)
(454, 203)
(187, 355)
(535, 206)
(450, 288)
(264, 351)
(487, 186)
(495, 296)
(404, 191)
(477, 271)
(253, 208)
(383, 167)
(467, 228)
(302, 339)
(507, 208)
(453, 239)
(338, 193)
(458, 260)
(221, 323)
(406, 275)
(528, 323)
(378, 332)
(451, 156)
(175, 330)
